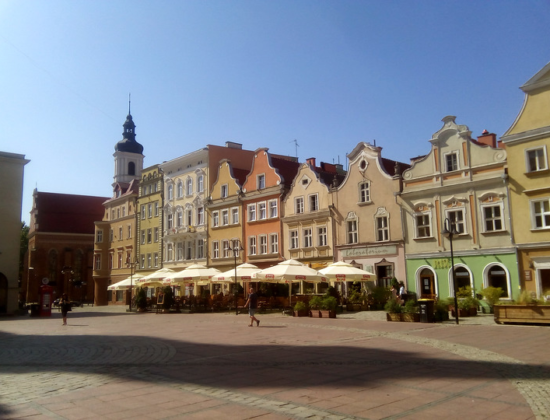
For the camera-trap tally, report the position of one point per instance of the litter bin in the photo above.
(35, 309)
(426, 310)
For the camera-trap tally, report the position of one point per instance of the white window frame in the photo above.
(200, 249)
(224, 191)
(448, 214)
(143, 237)
(225, 248)
(273, 208)
(149, 210)
(543, 214)
(200, 216)
(225, 217)
(260, 181)
(156, 234)
(169, 252)
(262, 210)
(307, 236)
(313, 201)
(156, 208)
(170, 192)
(143, 212)
(189, 186)
(299, 205)
(321, 236)
(179, 251)
(99, 236)
(417, 226)
(252, 245)
(364, 192)
(352, 236)
(382, 231)
(262, 244)
(149, 235)
(148, 260)
(544, 157)
(252, 212)
(294, 239)
(180, 189)
(169, 221)
(156, 259)
(492, 220)
(200, 183)
(129, 232)
(189, 217)
(215, 249)
(215, 218)
(179, 218)
(97, 262)
(235, 212)
(456, 154)
(274, 243)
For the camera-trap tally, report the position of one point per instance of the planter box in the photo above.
(303, 312)
(315, 313)
(410, 317)
(393, 317)
(353, 307)
(462, 313)
(524, 314)
(327, 314)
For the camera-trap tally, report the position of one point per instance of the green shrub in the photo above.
(329, 303)
(411, 307)
(141, 298)
(379, 296)
(465, 292)
(315, 302)
(300, 306)
(491, 294)
(393, 306)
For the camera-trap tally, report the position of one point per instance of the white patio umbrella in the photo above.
(123, 284)
(289, 271)
(244, 272)
(195, 273)
(154, 279)
(342, 271)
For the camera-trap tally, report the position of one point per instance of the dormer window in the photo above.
(261, 182)
(224, 191)
(451, 162)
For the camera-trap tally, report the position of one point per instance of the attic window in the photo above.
(363, 165)
(305, 181)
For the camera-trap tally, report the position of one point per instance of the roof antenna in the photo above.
(297, 145)
(129, 101)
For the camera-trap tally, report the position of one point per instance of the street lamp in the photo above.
(449, 231)
(236, 248)
(132, 265)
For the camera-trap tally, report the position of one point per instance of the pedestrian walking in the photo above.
(65, 307)
(252, 304)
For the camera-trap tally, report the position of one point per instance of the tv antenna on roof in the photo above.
(297, 145)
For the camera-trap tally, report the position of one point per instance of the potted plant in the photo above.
(379, 297)
(328, 307)
(526, 310)
(491, 295)
(300, 309)
(441, 311)
(315, 306)
(354, 300)
(141, 299)
(411, 311)
(394, 309)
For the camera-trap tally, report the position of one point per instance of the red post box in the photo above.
(46, 293)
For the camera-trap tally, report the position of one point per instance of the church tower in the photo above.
(128, 154)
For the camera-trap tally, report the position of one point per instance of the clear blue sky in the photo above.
(262, 73)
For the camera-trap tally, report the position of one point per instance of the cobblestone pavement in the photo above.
(111, 364)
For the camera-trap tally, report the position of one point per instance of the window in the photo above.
(352, 231)
(200, 248)
(497, 277)
(129, 231)
(224, 191)
(99, 236)
(215, 249)
(118, 213)
(156, 234)
(225, 244)
(200, 183)
(382, 229)
(262, 211)
(97, 262)
(457, 219)
(112, 215)
(143, 237)
(189, 215)
(235, 216)
(263, 244)
(169, 251)
(215, 219)
(322, 236)
(189, 250)
(200, 216)
(272, 208)
(299, 205)
(225, 217)
(148, 260)
(143, 212)
(179, 219)
(180, 189)
(119, 260)
(149, 236)
(364, 192)
(251, 212)
(451, 162)
(541, 213)
(142, 261)
(492, 218)
(252, 245)
(307, 238)
(156, 208)
(110, 261)
(156, 259)
(313, 203)
(170, 221)
(261, 182)
(123, 211)
(536, 159)
(423, 226)
(189, 186)
(170, 192)
(294, 240)
(111, 235)
(274, 243)
(149, 210)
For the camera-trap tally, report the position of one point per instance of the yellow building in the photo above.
(527, 142)
(149, 221)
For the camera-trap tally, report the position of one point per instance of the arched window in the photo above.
(131, 168)
(462, 278)
(427, 284)
(170, 192)
(189, 186)
(497, 277)
(180, 189)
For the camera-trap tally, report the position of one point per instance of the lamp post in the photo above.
(236, 248)
(132, 265)
(449, 230)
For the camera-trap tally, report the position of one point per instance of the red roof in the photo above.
(67, 213)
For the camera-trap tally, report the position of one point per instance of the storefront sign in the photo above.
(442, 264)
(371, 251)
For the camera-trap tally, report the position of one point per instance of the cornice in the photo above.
(525, 136)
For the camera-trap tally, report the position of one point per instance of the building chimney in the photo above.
(311, 162)
(490, 139)
(232, 145)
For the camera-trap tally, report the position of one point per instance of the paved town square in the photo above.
(115, 365)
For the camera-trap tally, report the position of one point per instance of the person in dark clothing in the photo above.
(252, 304)
(65, 307)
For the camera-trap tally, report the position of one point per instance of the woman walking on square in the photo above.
(65, 307)
(252, 303)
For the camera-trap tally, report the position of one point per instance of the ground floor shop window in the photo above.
(462, 278)
(497, 277)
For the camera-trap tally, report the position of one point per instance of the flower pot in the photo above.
(410, 317)
(315, 313)
(473, 311)
(393, 317)
(300, 313)
(524, 314)
(327, 314)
